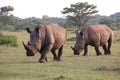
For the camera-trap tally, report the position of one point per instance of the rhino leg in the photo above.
(54, 54)
(85, 50)
(97, 50)
(46, 59)
(44, 53)
(105, 49)
(60, 53)
(109, 46)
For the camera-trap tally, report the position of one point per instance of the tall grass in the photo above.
(15, 65)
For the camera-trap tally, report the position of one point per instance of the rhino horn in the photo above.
(28, 30)
(25, 46)
(28, 43)
(72, 48)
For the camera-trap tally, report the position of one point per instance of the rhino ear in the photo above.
(76, 31)
(81, 33)
(28, 30)
(38, 31)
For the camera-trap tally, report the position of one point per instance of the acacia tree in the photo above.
(80, 13)
(6, 9)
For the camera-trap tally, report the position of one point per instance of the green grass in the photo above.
(15, 65)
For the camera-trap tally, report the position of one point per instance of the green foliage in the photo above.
(6, 9)
(7, 22)
(109, 22)
(80, 13)
(8, 40)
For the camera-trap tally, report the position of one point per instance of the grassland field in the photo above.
(15, 65)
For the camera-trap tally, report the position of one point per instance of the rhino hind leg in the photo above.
(97, 50)
(54, 54)
(109, 46)
(60, 53)
(57, 57)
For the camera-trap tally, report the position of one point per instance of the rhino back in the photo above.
(98, 34)
(57, 35)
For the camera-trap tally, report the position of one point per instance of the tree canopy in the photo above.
(6, 9)
(80, 13)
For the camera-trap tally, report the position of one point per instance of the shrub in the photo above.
(8, 40)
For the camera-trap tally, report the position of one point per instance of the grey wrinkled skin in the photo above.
(45, 39)
(97, 35)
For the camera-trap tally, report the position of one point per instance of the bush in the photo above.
(8, 40)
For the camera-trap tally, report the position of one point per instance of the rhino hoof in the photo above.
(42, 61)
(84, 54)
(56, 59)
(59, 60)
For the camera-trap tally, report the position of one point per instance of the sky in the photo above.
(53, 8)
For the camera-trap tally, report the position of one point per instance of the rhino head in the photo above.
(34, 45)
(79, 45)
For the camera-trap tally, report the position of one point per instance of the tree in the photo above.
(109, 22)
(7, 22)
(6, 9)
(80, 13)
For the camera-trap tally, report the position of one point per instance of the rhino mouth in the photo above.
(29, 54)
(76, 51)
(30, 51)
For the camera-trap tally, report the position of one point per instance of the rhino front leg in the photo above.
(105, 49)
(85, 50)
(43, 57)
(46, 59)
